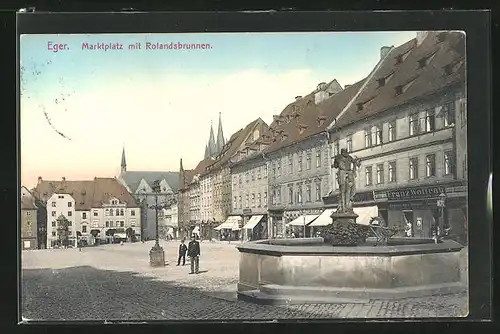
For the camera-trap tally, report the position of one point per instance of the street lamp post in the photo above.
(441, 202)
(156, 254)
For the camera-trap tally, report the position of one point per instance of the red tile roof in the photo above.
(87, 194)
(441, 49)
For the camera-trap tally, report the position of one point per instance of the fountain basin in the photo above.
(306, 270)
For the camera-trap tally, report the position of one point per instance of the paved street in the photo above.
(114, 282)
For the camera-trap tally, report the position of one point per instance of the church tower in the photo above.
(220, 136)
(124, 163)
(182, 179)
(214, 147)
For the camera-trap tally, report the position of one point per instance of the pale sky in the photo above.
(159, 103)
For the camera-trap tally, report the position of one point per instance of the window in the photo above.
(107, 223)
(430, 121)
(53, 224)
(413, 168)
(28, 213)
(308, 193)
(278, 171)
(336, 147)
(368, 175)
(240, 181)
(448, 163)
(265, 170)
(60, 196)
(111, 223)
(259, 200)
(53, 204)
(349, 144)
(318, 192)
(299, 193)
(258, 173)
(392, 131)
(70, 204)
(308, 161)
(84, 229)
(247, 177)
(290, 195)
(463, 113)
(265, 198)
(246, 201)
(110, 212)
(318, 158)
(84, 215)
(413, 124)
(117, 212)
(430, 165)
(70, 213)
(253, 200)
(253, 174)
(235, 202)
(122, 223)
(299, 162)
(53, 234)
(380, 174)
(378, 135)
(464, 169)
(368, 138)
(122, 212)
(448, 112)
(240, 202)
(290, 163)
(392, 171)
(274, 199)
(132, 212)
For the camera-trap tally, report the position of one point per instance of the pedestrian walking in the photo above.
(194, 255)
(182, 253)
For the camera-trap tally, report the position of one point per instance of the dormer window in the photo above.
(400, 89)
(360, 106)
(284, 137)
(399, 59)
(302, 127)
(424, 61)
(321, 120)
(441, 37)
(402, 57)
(384, 80)
(451, 68)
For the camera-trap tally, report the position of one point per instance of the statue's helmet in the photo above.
(343, 151)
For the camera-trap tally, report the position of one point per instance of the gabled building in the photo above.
(29, 226)
(91, 207)
(140, 184)
(408, 125)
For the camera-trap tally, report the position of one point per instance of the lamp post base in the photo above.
(157, 256)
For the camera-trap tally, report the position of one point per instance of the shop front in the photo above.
(275, 224)
(419, 210)
(255, 228)
(230, 229)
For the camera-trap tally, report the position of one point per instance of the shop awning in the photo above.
(365, 214)
(231, 223)
(252, 222)
(300, 220)
(196, 230)
(120, 235)
(324, 218)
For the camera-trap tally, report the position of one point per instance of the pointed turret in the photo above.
(181, 176)
(220, 136)
(212, 149)
(124, 162)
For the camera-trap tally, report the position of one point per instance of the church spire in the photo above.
(124, 163)
(220, 136)
(181, 176)
(212, 149)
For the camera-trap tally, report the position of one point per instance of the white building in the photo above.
(170, 221)
(91, 207)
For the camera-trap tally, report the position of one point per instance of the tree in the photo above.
(130, 233)
(63, 230)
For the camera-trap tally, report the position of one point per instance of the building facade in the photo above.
(411, 137)
(92, 208)
(29, 227)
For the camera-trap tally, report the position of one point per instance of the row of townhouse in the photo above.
(406, 121)
(91, 208)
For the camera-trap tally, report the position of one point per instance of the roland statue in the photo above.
(346, 177)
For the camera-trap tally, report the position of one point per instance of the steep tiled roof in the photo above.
(87, 194)
(310, 118)
(133, 178)
(27, 203)
(405, 78)
(202, 166)
(232, 146)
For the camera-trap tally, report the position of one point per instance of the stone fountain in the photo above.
(350, 262)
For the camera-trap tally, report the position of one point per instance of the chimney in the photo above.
(384, 51)
(321, 86)
(63, 178)
(298, 97)
(421, 35)
(39, 180)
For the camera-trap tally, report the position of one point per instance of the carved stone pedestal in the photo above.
(157, 256)
(344, 231)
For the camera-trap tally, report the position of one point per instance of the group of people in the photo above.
(193, 251)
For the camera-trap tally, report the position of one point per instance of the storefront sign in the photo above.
(366, 196)
(415, 193)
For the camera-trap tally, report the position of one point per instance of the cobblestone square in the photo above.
(115, 282)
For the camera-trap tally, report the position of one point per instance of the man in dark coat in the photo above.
(182, 253)
(194, 255)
